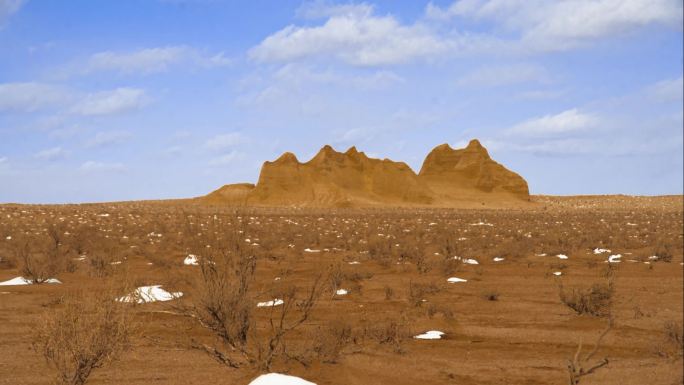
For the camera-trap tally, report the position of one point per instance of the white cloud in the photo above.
(99, 166)
(568, 121)
(151, 60)
(3, 159)
(557, 25)
(296, 81)
(224, 141)
(9, 7)
(321, 9)
(226, 159)
(358, 38)
(108, 138)
(51, 154)
(111, 102)
(541, 94)
(28, 97)
(505, 75)
(354, 34)
(667, 90)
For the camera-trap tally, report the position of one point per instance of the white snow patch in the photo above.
(467, 261)
(430, 335)
(601, 251)
(275, 302)
(481, 224)
(279, 379)
(145, 294)
(191, 260)
(456, 280)
(9, 237)
(354, 263)
(615, 258)
(557, 273)
(23, 281)
(562, 256)
(308, 250)
(498, 259)
(341, 292)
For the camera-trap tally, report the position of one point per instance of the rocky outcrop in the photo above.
(338, 179)
(470, 172)
(447, 178)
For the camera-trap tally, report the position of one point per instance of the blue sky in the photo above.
(146, 99)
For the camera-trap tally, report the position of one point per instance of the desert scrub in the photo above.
(595, 300)
(87, 332)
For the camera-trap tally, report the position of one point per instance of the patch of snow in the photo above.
(467, 261)
(279, 379)
(430, 335)
(541, 255)
(275, 302)
(498, 259)
(23, 281)
(115, 263)
(557, 273)
(341, 292)
(9, 237)
(562, 256)
(354, 263)
(614, 258)
(191, 260)
(308, 250)
(456, 280)
(481, 224)
(145, 294)
(601, 251)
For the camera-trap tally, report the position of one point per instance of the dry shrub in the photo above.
(388, 332)
(491, 295)
(595, 300)
(39, 261)
(433, 310)
(671, 345)
(329, 341)
(223, 305)
(451, 266)
(418, 291)
(86, 333)
(580, 366)
(389, 293)
(101, 261)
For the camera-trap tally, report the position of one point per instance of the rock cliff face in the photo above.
(470, 172)
(338, 179)
(448, 178)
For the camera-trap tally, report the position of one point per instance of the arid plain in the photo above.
(505, 324)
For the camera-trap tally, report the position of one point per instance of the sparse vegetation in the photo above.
(85, 332)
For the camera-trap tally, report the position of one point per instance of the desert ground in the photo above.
(512, 291)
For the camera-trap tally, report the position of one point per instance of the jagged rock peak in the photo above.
(287, 157)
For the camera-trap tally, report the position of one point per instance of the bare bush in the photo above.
(89, 331)
(580, 366)
(39, 261)
(329, 341)
(224, 305)
(388, 332)
(671, 345)
(595, 300)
